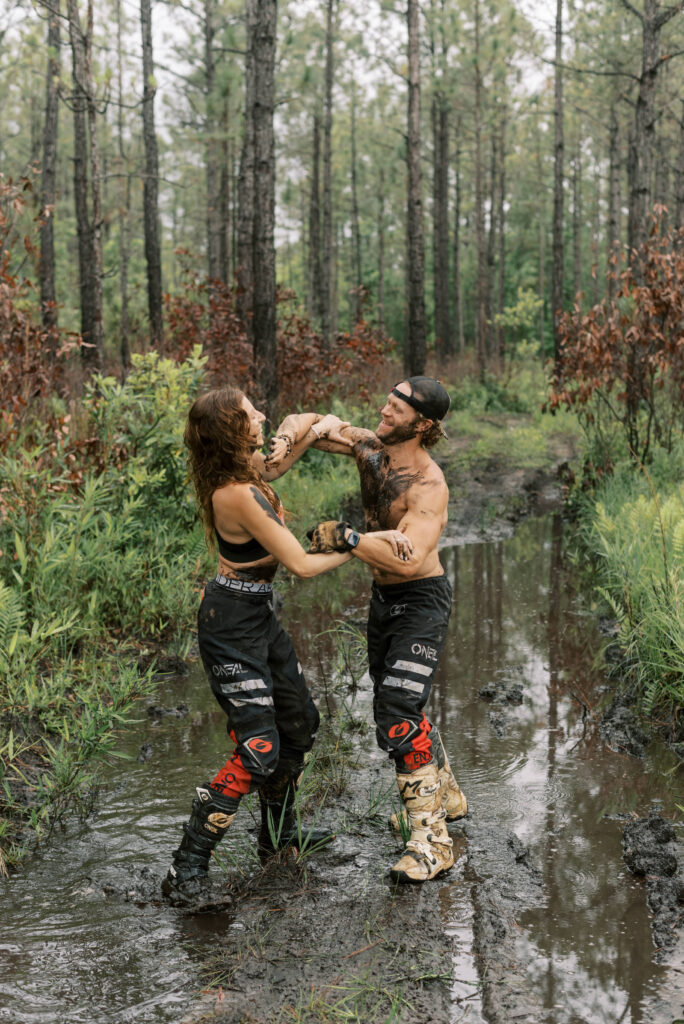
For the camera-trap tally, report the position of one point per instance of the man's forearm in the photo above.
(377, 553)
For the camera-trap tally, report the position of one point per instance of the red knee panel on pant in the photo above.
(233, 779)
(421, 744)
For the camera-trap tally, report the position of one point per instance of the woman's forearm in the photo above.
(306, 565)
(297, 425)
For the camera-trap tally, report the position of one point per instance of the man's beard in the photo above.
(399, 434)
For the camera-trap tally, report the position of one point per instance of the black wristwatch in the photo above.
(353, 539)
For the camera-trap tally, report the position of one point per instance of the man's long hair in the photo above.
(220, 450)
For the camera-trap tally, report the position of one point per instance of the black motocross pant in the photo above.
(407, 625)
(256, 678)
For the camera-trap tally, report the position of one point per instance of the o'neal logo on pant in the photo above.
(260, 745)
(399, 730)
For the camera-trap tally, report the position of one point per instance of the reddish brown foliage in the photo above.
(629, 353)
(30, 366)
(205, 313)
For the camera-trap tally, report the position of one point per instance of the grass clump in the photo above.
(631, 526)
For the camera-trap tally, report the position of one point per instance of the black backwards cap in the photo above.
(428, 397)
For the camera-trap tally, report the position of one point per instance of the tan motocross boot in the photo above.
(453, 798)
(429, 850)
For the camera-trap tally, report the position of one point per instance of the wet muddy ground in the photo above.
(552, 913)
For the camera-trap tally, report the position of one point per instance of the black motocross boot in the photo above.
(278, 820)
(212, 813)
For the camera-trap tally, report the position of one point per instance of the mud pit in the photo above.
(540, 920)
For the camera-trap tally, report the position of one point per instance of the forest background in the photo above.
(312, 199)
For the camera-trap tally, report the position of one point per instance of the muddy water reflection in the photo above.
(540, 770)
(77, 945)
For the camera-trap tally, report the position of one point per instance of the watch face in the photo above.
(353, 539)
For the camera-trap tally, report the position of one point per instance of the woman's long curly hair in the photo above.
(220, 450)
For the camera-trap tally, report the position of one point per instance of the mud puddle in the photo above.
(540, 920)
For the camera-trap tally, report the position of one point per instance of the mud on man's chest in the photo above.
(384, 490)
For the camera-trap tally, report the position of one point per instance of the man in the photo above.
(403, 488)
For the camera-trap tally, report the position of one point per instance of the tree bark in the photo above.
(224, 195)
(481, 286)
(356, 228)
(440, 225)
(540, 247)
(124, 207)
(614, 230)
(458, 298)
(151, 183)
(381, 250)
(327, 260)
(679, 177)
(415, 344)
(213, 178)
(48, 297)
(653, 19)
(577, 225)
(317, 301)
(89, 230)
(245, 226)
(558, 253)
(501, 269)
(491, 246)
(264, 271)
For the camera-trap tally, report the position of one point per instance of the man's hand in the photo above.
(327, 537)
(328, 429)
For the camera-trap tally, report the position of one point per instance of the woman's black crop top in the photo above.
(250, 551)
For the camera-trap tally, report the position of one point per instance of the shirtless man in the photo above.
(404, 489)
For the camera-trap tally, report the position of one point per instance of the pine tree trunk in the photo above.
(614, 230)
(415, 344)
(540, 248)
(89, 229)
(151, 183)
(440, 226)
(577, 225)
(679, 177)
(264, 272)
(491, 247)
(327, 259)
(501, 270)
(357, 277)
(481, 284)
(245, 226)
(653, 19)
(458, 295)
(48, 298)
(315, 267)
(381, 251)
(213, 178)
(224, 196)
(557, 272)
(124, 207)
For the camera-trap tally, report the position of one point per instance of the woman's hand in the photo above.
(328, 429)
(279, 447)
(398, 541)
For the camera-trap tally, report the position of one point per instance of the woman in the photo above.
(248, 657)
